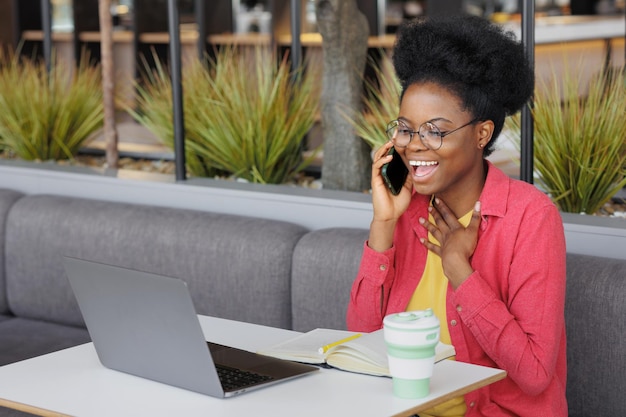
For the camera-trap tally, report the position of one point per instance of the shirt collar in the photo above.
(495, 194)
(493, 198)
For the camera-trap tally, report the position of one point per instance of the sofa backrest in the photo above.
(236, 267)
(595, 314)
(7, 199)
(325, 263)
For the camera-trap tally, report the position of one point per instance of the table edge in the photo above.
(14, 405)
(453, 394)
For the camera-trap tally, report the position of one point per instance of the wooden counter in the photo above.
(548, 30)
(119, 36)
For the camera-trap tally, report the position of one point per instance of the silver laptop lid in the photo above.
(144, 324)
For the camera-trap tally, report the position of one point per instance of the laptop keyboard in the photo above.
(232, 378)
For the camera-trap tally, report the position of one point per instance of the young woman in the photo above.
(485, 251)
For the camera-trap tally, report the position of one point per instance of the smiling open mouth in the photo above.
(423, 168)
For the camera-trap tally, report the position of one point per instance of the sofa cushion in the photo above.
(325, 263)
(596, 343)
(236, 267)
(24, 338)
(7, 199)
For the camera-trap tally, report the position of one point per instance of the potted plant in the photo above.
(246, 114)
(381, 101)
(580, 139)
(47, 115)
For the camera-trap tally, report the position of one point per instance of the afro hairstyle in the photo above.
(473, 58)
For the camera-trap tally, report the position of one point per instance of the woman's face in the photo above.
(457, 166)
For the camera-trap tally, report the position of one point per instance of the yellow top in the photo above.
(431, 293)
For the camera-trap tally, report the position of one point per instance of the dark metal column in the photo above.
(271, 6)
(177, 89)
(136, 31)
(201, 22)
(46, 22)
(296, 46)
(527, 128)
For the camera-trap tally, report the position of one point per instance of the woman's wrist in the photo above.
(381, 234)
(457, 270)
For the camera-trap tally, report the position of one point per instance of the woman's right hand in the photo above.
(387, 207)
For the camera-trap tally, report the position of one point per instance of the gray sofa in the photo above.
(255, 270)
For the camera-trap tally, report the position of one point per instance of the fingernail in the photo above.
(437, 201)
(422, 220)
(477, 206)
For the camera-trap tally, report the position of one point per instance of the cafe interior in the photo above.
(567, 32)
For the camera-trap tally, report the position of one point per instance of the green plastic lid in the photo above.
(414, 320)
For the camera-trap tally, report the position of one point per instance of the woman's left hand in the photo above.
(456, 242)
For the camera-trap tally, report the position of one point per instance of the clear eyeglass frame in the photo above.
(428, 132)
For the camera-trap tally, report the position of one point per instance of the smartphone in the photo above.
(394, 173)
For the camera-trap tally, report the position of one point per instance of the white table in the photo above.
(73, 382)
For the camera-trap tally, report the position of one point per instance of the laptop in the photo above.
(145, 324)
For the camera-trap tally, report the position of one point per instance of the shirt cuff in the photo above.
(375, 266)
(472, 296)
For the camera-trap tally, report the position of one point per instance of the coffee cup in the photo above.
(411, 338)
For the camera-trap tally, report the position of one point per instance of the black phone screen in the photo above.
(394, 173)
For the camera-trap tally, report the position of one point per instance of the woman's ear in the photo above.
(485, 131)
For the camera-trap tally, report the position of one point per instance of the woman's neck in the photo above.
(462, 198)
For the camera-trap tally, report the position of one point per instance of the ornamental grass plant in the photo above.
(47, 116)
(580, 140)
(246, 114)
(381, 102)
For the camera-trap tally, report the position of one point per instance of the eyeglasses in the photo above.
(430, 135)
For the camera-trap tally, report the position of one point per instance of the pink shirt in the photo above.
(508, 314)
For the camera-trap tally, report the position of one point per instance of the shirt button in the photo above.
(459, 308)
(453, 322)
(383, 267)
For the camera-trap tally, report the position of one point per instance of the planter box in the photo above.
(313, 209)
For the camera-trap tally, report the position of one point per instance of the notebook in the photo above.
(146, 325)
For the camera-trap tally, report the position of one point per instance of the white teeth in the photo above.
(422, 163)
